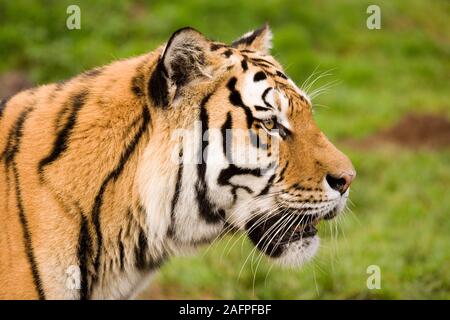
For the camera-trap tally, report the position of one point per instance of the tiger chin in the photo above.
(105, 176)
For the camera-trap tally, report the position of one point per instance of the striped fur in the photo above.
(91, 200)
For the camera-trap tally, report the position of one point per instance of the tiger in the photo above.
(106, 176)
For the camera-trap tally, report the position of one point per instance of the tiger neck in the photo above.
(115, 247)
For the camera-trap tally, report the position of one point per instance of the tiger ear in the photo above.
(183, 60)
(258, 40)
(184, 57)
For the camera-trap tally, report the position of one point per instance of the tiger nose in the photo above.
(341, 182)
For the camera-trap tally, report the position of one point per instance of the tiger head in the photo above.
(252, 159)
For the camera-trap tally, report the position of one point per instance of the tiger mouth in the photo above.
(272, 235)
(331, 214)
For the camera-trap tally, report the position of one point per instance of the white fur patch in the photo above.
(299, 252)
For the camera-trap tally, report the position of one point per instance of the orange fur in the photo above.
(63, 146)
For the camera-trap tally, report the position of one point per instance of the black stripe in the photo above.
(157, 86)
(121, 251)
(281, 75)
(143, 260)
(137, 85)
(3, 103)
(84, 252)
(60, 116)
(207, 210)
(261, 61)
(244, 64)
(227, 140)
(14, 136)
(259, 76)
(235, 96)
(60, 145)
(141, 251)
(11, 147)
(261, 108)
(13, 141)
(138, 81)
(281, 176)
(232, 170)
(228, 53)
(175, 197)
(202, 154)
(248, 40)
(235, 99)
(264, 95)
(27, 238)
(268, 185)
(28, 242)
(113, 176)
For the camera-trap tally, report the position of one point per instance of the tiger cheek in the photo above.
(300, 149)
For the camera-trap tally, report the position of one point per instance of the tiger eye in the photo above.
(269, 124)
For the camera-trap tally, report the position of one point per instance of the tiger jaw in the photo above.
(290, 237)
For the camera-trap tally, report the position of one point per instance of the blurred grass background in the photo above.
(400, 203)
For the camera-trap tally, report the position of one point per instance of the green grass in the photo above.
(400, 205)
